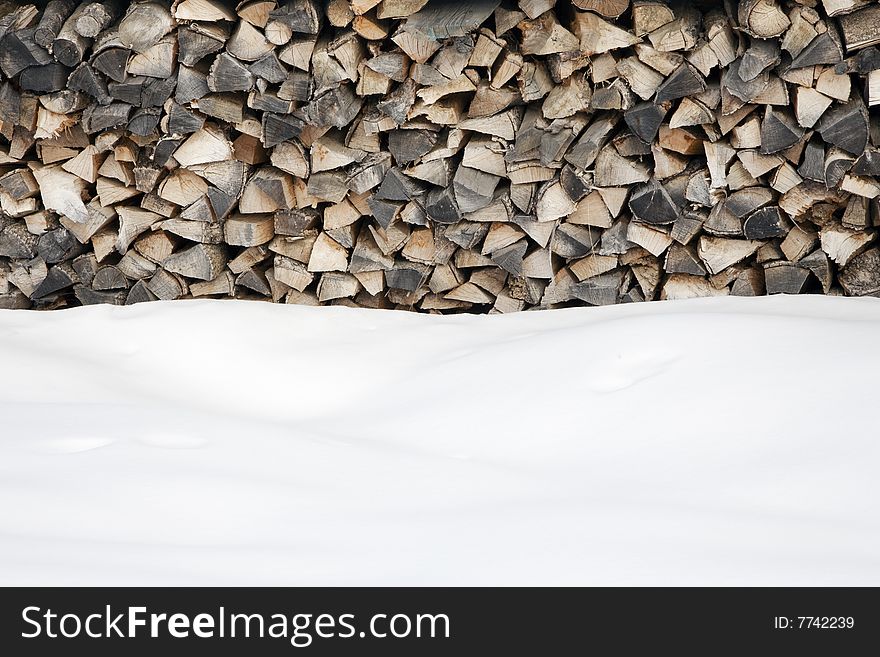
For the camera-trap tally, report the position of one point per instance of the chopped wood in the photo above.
(719, 253)
(861, 28)
(762, 18)
(779, 131)
(445, 157)
(784, 278)
(810, 105)
(861, 277)
(842, 244)
(846, 126)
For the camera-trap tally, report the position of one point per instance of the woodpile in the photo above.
(483, 156)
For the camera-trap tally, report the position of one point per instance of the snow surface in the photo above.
(715, 441)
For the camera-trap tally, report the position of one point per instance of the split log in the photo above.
(203, 262)
(762, 18)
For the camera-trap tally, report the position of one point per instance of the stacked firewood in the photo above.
(485, 156)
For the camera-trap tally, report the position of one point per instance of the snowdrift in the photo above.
(714, 441)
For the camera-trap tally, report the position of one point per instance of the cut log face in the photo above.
(438, 156)
(651, 203)
(846, 126)
(683, 81)
(785, 278)
(779, 131)
(762, 18)
(644, 120)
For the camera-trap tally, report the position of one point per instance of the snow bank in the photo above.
(714, 441)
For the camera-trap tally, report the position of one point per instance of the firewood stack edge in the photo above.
(480, 156)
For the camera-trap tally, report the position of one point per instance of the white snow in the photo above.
(715, 441)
